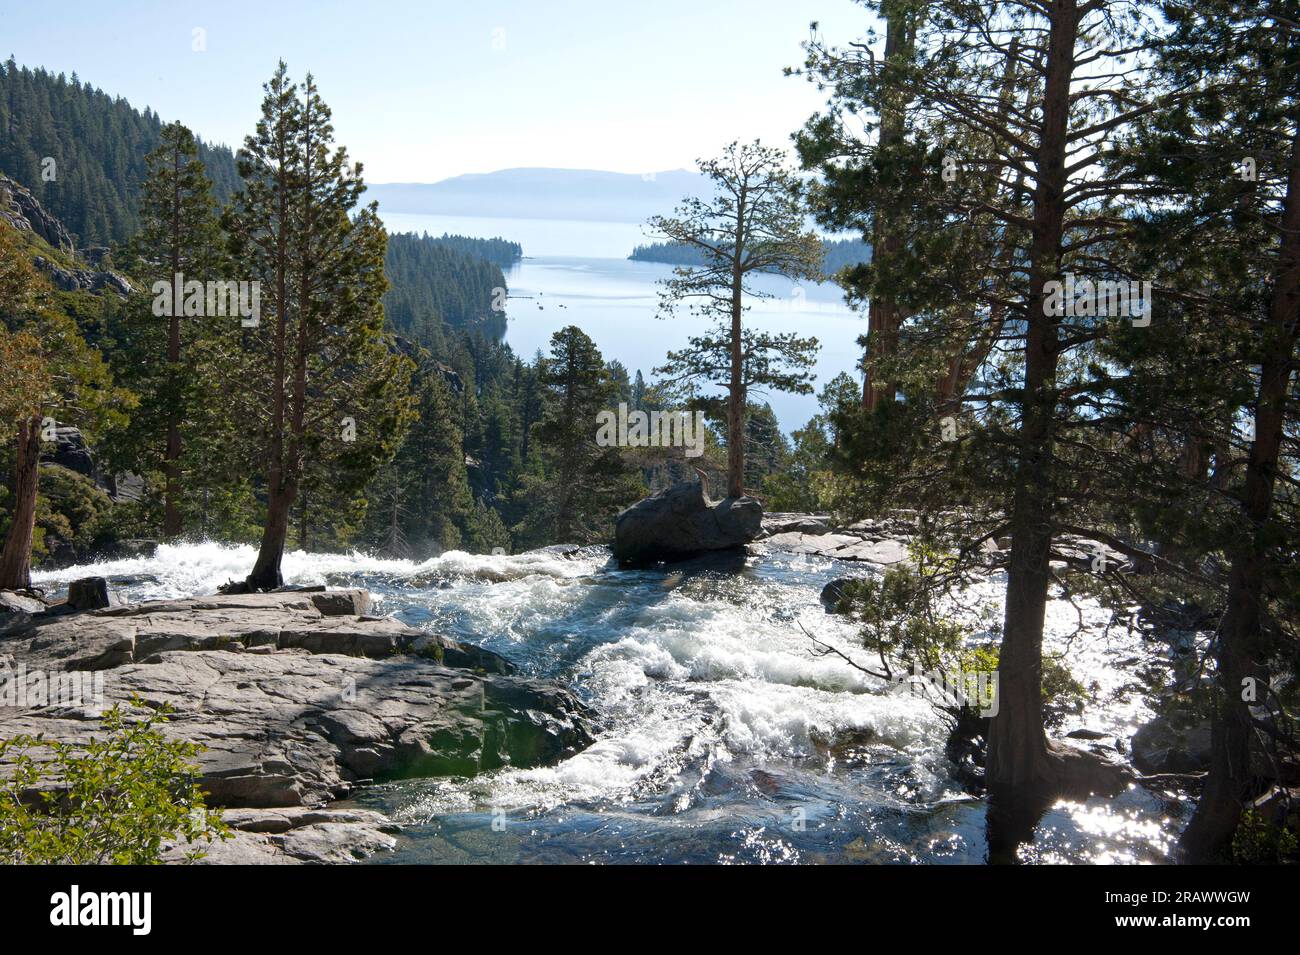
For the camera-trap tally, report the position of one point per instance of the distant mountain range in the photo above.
(582, 194)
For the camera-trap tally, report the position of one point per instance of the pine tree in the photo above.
(177, 243)
(1021, 102)
(423, 500)
(98, 144)
(36, 340)
(575, 486)
(831, 138)
(321, 361)
(1223, 224)
(754, 223)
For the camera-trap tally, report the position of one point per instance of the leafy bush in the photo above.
(1258, 841)
(71, 513)
(117, 799)
(1062, 693)
(900, 619)
(898, 613)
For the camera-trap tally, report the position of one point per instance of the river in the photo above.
(724, 738)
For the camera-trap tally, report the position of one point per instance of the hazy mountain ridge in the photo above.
(542, 193)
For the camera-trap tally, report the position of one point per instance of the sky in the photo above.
(425, 91)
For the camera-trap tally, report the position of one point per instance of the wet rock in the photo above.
(293, 729)
(295, 707)
(967, 748)
(681, 522)
(1168, 746)
(1086, 734)
(1084, 773)
(844, 743)
(466, 656)
(833, 592)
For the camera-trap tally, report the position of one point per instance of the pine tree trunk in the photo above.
(171, 458)
(882, 312)
(1208, 836)
(736, 389)
(16, 557)
(172, 524)
(1018, 754)
(266, 571)
(736, 403)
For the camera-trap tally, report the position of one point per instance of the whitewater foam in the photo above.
(708, 691)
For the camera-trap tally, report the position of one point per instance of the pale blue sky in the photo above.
(423, 91)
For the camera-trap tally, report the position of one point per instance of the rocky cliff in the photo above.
(22, 211)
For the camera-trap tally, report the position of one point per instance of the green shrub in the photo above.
(1258, 841)
(1062, 693)
(898, 621)
(118, 799)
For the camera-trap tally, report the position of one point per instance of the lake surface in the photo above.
(577, 273)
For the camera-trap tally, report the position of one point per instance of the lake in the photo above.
(577, 273)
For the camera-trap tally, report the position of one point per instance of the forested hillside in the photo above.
(81, 152)
(836, 254)
(450, 281)
(499, 251)
(452, 462)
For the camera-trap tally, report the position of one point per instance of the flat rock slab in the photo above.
(803, 524)
(839, 546)
(883, 542)
(291, 836)
(289, 728)
(800, 543)
(319, 622)
(883, 552)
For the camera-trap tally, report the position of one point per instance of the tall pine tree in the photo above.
(324, 373)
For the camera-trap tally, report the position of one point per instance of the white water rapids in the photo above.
(724, 736)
